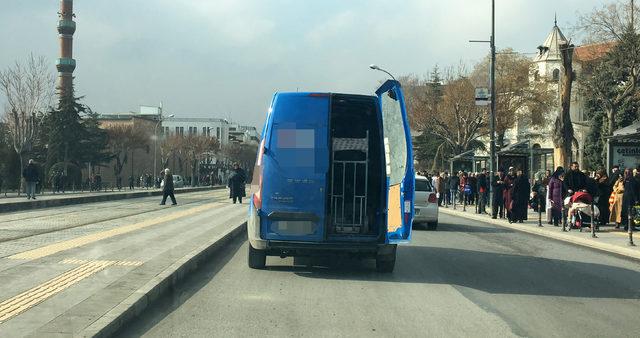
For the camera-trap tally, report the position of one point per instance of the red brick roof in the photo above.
(592, 51)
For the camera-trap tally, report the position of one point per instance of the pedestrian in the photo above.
(30, 174)
(508, 190)
(440, 189)
(520, 196)
(615, 201)
(167, 189)
(604, 192)
(497, 201)
(557, 192)
(483, 190)
(131, 182)
(447, 193)
(539, 192)
(615, 174)
(454, 187)
(236, 183)
(629, 197)
(575, 179)
(472, 181)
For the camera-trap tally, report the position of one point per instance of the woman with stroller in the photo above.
(557, 191)
(520, 196)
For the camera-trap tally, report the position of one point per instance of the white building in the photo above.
(213, 127)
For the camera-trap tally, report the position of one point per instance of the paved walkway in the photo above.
(608, 239)
(76, 270)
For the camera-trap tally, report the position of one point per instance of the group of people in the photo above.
(464, 188)
(616, 194)
(236, 184)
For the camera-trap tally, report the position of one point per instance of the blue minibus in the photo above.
(334, 174)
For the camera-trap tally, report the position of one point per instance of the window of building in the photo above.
(204, 130)
(181, 131)
(218, 133)
(177, 130)
(556, 74)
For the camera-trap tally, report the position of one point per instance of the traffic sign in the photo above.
(482, 96)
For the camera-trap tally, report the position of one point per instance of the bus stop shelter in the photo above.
(623, 147)
(468, 161)
(522, 155)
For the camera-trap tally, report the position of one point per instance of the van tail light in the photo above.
(257, 196)
(432, 198)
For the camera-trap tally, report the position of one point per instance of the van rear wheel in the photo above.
(386, 262)
(257, 258)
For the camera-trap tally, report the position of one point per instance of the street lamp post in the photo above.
(492, 80)
(155, 145)
(374, 67)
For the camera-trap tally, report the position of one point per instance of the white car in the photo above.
(426, 203)
(178, 182)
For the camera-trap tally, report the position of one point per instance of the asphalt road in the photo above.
(466, 279)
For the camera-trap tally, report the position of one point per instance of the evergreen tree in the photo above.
(73, 136)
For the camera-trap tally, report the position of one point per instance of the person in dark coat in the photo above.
(520, 197)
(508, 192)
(575, 179)
(237, 181)
(497, 202)
(483, 190)
(167, 189)
(604, 191)
(630, 196)
(31, 177)
(557, 193)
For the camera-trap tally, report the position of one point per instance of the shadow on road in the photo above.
(494, 273)
(167, 303)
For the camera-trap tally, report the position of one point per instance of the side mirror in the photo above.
(392, 94)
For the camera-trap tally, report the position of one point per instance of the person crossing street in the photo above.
(167, 190)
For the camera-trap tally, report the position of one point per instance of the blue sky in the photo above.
(226, 58)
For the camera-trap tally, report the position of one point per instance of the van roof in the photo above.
(321, 94)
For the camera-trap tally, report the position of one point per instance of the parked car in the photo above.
(178, 182)
(426, 204)
(334, 173)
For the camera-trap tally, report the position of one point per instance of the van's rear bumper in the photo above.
(292, 248)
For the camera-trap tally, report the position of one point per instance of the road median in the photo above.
(48, 202)
(613, 242)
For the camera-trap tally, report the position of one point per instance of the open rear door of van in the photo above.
(295, 164)
(399, 162)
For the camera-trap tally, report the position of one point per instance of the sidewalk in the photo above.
(15, 203)
(91, 283)
(608, 239)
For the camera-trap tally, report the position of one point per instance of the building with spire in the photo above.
(547, 67)
(66, 64)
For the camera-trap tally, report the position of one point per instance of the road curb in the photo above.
(626, 252)
(132, 306)
(72, 200)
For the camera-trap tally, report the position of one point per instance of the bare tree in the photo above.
(563, 135)
(615, 80)
(608, 22)
(122, 139)
(196, 147)
(29, 89)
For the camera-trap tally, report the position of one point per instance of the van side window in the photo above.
(395, 137)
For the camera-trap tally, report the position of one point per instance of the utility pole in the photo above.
(492, 122)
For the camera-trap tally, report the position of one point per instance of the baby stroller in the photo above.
(579, 212)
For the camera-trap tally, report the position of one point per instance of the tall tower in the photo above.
(66, 64)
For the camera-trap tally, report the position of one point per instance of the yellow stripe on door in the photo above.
(394, 215)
